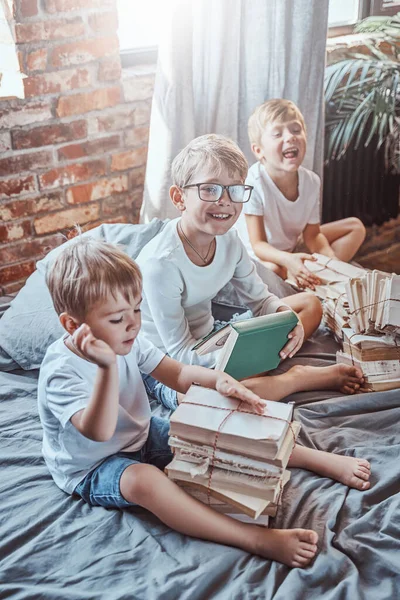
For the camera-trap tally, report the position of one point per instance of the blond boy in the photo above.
(100, 441)
(284, 204)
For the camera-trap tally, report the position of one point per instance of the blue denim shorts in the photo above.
(101, 487)
(160, 392)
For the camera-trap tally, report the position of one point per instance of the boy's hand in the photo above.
(95, 350)
(228, 386)
(296, 338)
(294, 263)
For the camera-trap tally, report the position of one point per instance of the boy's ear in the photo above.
(257, 151)
(69, 323)
(177, 197)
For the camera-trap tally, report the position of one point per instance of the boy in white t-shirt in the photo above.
(284, 204)
(196, 255)
(99, 439)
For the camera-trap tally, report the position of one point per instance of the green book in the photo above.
(250, 347)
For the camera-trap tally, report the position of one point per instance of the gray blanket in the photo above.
(53, 546)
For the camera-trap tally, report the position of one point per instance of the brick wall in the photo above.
(74, 151)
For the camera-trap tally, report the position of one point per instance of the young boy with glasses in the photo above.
(282, 216)
(196, 255)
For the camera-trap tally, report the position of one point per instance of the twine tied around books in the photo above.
(231, 411)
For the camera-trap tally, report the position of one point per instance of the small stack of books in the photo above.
(230, 457)
(374, 302)
(362, 309)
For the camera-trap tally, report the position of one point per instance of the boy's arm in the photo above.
(315, 240)
(99, 419)
(180, 377)
(259, 242)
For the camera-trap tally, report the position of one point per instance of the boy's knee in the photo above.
(358, 227)
(138, 481)
(313, 305)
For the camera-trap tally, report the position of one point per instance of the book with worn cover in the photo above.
(251, 346)
(248, 505)
(201, 416)
(266, 488)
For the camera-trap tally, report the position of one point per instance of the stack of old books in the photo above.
(362, 309)
(333, 274)
(371, 341)
(229, 457)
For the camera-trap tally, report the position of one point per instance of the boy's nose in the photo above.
(224, 198)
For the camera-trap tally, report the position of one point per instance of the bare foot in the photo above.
(345, 378)
(353, 472)
(293, 547)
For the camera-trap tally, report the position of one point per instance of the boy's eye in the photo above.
(137, 310)
(115, 321)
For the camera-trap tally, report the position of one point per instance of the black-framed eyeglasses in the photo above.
(212, 192)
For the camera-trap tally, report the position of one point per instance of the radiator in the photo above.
(357, 186)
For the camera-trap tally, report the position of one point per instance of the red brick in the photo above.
(49, 134)
(114, 205)
(16, 272)
(35, 248)
(25, 162)
(18, 113)
(25, 208)
(120, 119)
(110, 69)
(13, 287)
(5, 142)
(138, 87)
(83, 103)
(142, 113)
(137, 176)
(56, 82)
(53, 6)
(9, 232)
(36, 60)
(18, 186)
(49, 30)
(129, 160)
(77, 53)
(104, 22)
(96, 190)
(118, 219)
(100, 146)
(136, 136)
(71, 174)
(28, 8)
(66, 218)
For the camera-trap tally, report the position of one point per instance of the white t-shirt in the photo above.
(284, 220)
(177, 294)
(66, 383)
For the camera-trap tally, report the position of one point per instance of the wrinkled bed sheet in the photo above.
(53, 546)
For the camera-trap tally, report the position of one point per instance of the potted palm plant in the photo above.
(362, 93)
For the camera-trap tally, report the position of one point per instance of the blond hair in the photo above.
(271, 111)
(208, 151)
(86, 271)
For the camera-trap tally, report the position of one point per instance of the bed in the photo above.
(53, 546)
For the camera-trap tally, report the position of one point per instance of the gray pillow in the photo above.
(31, 324)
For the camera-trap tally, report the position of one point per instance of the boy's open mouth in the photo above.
(220, 216)
(290, 153)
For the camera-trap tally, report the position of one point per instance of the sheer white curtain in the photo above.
(217, 62)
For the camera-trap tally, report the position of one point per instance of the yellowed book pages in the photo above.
(266, 488)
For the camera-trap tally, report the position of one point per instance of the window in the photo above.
(343, 12)
(140, 28)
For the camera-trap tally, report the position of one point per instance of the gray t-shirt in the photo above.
(66, 383)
